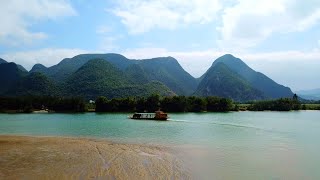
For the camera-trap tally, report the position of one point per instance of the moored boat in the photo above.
(158, 115)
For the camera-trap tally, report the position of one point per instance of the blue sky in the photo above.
(279, 38)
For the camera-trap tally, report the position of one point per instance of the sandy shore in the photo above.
(78, 158)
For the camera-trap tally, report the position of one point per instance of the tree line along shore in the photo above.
(28, 104)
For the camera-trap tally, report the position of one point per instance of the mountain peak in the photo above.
(221, 81)
(257, 80)
(229, 59)
(2, 61)
(38, 68)
(227, 56)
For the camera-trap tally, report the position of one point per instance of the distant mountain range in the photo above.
(113, 75)
(312, 94)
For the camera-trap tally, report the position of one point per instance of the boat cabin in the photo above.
(158, 115)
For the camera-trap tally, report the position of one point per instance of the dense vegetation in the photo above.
(10, 75)
(221, 81)
(282, 104)
(257, 80)
(168, 71)
(168, 104)
(147, 104)
(31, 103)
(165, 70)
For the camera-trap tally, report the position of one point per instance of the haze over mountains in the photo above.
(312, 94)
(113, 75)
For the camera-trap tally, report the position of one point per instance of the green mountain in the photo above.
(100, 78)
(168, 71)
(257, 80)
(21, 68)
(2, 61)
(36, 84)
(221, 81)
(137, 74)
(113, 75)
(39, 68)
(68, 66)
(10, 75)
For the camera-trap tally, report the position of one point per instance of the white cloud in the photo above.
(17, 16)
(296, 69)
(103, 29)
(108, 43)
(47, 56)
(248, 22)
(143, 15)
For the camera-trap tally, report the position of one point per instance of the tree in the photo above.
(153, 103)
(196, 104)
(101, 104)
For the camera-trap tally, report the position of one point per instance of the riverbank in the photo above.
(80, 158)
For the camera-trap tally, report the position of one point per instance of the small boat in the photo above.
(158, 115)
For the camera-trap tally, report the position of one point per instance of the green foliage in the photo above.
(256, 80)
(282, 104)
(168, 104)
(34, 84)
(196, 104)
(219, 104)
(68, 66)
(116, 105)
(100, 78)
(10, 75)
(153, 103)
(220, 81)
(311, 106)
(96, 78)
(174, 104)
(30, 103)
(168, 71)
(39, 68)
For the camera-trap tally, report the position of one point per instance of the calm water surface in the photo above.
(245, 145)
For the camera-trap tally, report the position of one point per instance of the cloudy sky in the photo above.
(280, 38)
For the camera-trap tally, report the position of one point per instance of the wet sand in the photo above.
(25, 157)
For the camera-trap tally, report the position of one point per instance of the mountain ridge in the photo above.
(258, 80)
(133, 77)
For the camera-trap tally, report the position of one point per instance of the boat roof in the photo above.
(143, 113)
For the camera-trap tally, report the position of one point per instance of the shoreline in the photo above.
(73, 158)
(70, 112)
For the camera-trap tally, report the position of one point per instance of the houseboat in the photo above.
(158, 115)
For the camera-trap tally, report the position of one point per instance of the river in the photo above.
(241, 145)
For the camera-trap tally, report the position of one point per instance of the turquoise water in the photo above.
(268, 145)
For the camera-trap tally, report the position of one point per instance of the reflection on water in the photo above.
(245, 145)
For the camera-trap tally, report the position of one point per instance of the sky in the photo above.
(280, 38)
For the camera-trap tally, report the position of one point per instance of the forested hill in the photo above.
(223, 82)
(10, 75)
(238, 81)
(100, 78)
(257, 80)
(165, 70)
(113, 75)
